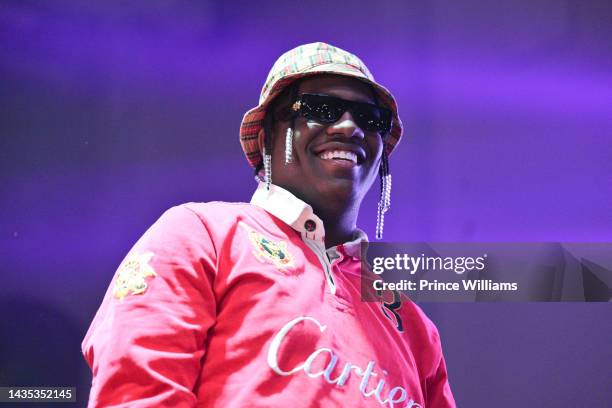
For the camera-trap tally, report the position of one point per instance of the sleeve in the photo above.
(147, 340)
(438, 390)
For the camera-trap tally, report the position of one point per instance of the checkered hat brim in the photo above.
(309, 60)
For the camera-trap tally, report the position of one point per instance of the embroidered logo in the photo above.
(390, 300)
(268, 250)
(132, 274)
(392, 306)
(323, 363)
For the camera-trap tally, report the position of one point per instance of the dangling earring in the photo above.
(384, 202)
(289, 146)
(267, 170)
(289, 140)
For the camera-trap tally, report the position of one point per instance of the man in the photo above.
(259, 305)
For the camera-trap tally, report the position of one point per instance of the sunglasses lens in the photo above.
(371, 117)
(321, 108)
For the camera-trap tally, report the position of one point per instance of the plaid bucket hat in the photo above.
(309, 60)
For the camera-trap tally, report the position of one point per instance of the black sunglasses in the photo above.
(328, 109)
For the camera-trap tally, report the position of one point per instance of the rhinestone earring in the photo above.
(384, 203)
(267, 170)
(289, 146)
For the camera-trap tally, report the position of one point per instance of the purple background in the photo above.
(111, 113)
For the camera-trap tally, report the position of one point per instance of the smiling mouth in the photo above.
(340, 155)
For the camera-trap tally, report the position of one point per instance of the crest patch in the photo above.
(132, 274)
(268, 250)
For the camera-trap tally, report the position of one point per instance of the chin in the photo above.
(338, 188)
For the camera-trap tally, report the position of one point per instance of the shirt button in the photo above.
(310, 225)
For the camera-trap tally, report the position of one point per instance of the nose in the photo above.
(346, 127)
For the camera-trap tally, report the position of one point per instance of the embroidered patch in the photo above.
(267, 250)
(131, 275)
(391, 301)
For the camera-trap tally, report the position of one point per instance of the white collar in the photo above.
(299, 215)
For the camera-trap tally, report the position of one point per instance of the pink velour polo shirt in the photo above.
(241, 305)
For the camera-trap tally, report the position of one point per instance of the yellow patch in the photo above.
(267, 250)
(131, 275)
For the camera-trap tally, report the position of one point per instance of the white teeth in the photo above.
(338, 154)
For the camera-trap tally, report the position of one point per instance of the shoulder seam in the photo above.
(186, 206)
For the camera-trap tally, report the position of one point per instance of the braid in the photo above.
(384, 201)
(269, 120)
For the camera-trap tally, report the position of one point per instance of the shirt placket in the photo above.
(330, 260)
(319, 250)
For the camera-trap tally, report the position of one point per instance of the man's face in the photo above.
(318, 173)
